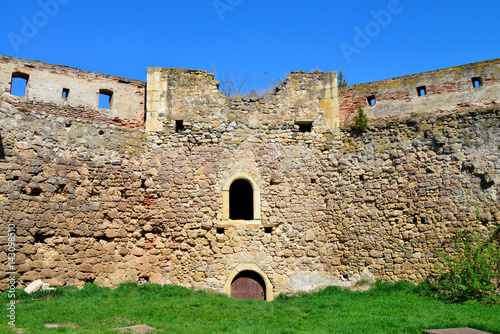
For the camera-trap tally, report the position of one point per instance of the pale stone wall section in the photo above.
(156, 99)
(46, 83)
(443, 102)
(330, 102)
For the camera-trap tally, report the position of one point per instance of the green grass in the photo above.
(387, 308)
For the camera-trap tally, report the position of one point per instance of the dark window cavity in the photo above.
(477, 82)
(421, 91)
(179, 125)
(371, 100)
(241, 200)
(65, 93)
(304, 126)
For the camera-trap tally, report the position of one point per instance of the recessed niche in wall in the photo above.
(179, 125)
(304, 126)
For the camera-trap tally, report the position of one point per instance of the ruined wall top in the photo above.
(74, 93)
(179, 99)
(193, 97)
(449, 89)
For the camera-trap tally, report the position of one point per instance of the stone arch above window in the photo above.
(241, 198)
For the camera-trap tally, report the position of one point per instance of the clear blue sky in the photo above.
(367, 40)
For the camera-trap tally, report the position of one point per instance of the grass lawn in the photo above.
(387, 308)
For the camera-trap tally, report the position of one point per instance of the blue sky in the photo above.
(367, 40)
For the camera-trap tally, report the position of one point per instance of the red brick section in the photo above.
(350, 98)
(93, 116)
(439, 82)
(150, 199)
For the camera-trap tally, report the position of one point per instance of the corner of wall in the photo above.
(155, 100)
(330, 101)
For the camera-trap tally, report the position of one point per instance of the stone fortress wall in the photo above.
(111, 200)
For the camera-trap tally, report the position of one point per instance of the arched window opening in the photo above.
(241, 200)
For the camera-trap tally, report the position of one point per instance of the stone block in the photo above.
(34, 286)
(310, 235)
(86, 268)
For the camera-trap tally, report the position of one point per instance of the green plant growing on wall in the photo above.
(341, 82)
(360, 120)
(472, 271)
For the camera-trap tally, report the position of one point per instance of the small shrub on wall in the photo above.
(360, 121)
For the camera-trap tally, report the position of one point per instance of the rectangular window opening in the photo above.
(477, 82)
(268, 229)
(304, 126)
(421, 91)
(220, 230)
(179, 125)
(19, 84)
(105, 98)
(371, 100)
(65, 93)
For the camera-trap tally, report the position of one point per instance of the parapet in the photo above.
(188, 97)
(446, 90)
(74, 93)
(181, 98)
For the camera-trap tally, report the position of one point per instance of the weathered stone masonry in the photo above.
(100, 200)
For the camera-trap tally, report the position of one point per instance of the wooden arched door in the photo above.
(248, 285)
